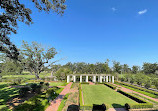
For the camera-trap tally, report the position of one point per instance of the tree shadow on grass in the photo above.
(6, 93)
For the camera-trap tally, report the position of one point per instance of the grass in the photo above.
(58, 83)
(6, 93)
(62, 104)
(137, 90)
(99, 94)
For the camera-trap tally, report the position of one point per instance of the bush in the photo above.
(138, 106)
(23, 91)
(84, 82)
(47, 84)
(132, 96)
(41, 83)
(33, 87)
(110, 85)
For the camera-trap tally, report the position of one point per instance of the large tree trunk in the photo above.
(52, 73)
(37, 76)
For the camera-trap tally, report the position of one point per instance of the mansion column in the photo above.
(100, 79)
(68, 79)
(94, 78)
(86, 78)
(106, 78)
(80, 78)
(112, 79)
(74, 78)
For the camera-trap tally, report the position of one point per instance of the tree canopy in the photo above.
(14, 11)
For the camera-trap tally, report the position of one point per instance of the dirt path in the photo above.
(55, 103)
(131, 91)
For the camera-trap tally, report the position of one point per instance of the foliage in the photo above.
(117, 67)
(61, 73)
(14, 11)
(135, 69)
(36, 57)
(39, 102)
(23, 91)
(149, 68)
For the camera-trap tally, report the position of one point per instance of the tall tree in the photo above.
(13, 11)
(117, 67)
(36, 58)
(135, 69)
(150, 68)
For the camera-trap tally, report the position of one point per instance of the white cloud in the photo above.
(142, 11)
(113, 9)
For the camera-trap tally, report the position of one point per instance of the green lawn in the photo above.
(5, 94)
(57, 83)
(99, 94)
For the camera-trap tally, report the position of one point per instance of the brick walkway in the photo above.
(55, 103)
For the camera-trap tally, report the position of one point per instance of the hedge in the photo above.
(132, 96)
(84, 82)
(110, 85)
(141, 103)
(142, 89)
(138, 106)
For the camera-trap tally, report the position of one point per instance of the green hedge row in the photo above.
(138, 106)
(142, 89)
(110, 85)
(135, 98)
(84, 82)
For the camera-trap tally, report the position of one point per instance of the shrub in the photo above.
(131, 96)
(41, 83)
(47, 84)
(38, 89)
(110, 85)
(138, 106)
(23, 91)
(33, 87)
(84, 82)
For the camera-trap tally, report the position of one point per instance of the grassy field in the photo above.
(99, 94)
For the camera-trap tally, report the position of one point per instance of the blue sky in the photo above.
(95, 30)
